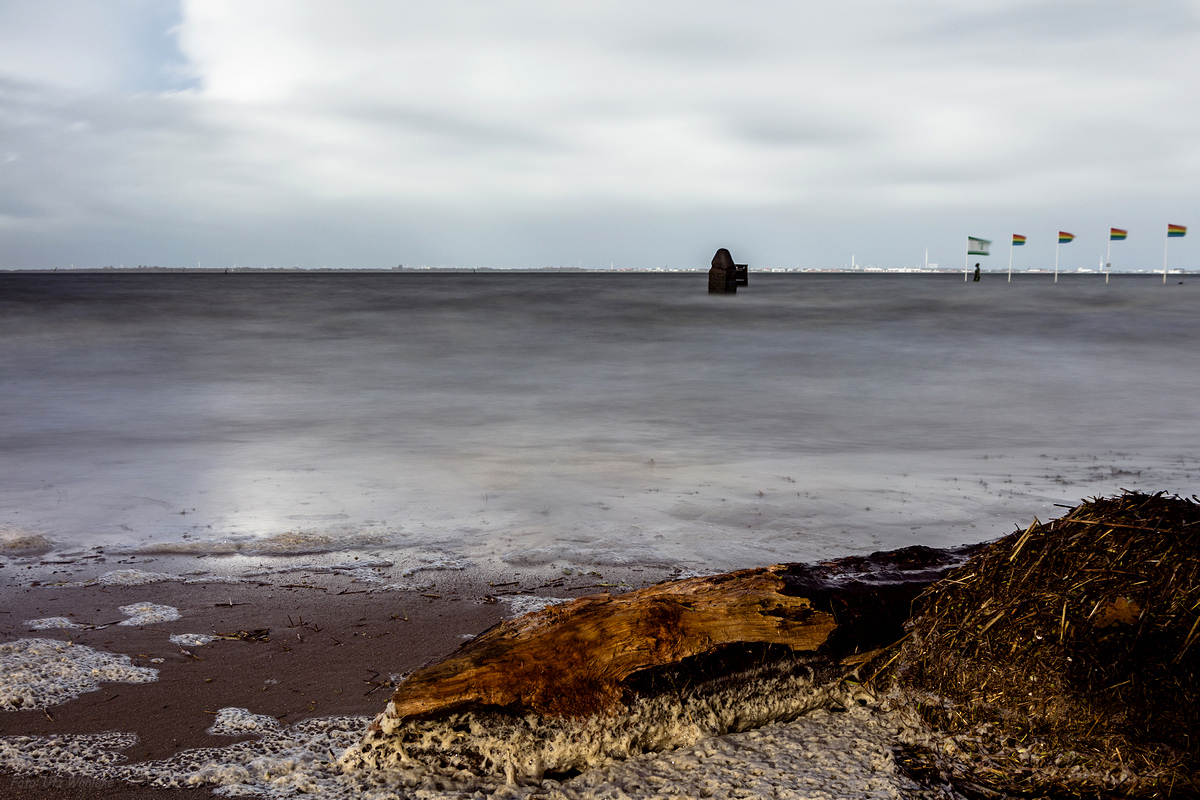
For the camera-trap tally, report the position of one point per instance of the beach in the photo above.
(342, 478)
(327, 647)
(322, 649)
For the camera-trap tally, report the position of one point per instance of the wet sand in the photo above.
(332, 649)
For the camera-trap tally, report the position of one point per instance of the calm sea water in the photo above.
(582, 420)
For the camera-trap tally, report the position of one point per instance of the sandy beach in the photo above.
(316, 646)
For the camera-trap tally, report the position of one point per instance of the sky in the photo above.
(374, 133)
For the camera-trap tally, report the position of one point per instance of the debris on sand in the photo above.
(1062, 660)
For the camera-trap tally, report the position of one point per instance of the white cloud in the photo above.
(451, 131)
(116, 45)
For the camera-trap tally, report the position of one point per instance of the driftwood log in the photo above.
(612, 675)
(580, 658)
(1060, 661)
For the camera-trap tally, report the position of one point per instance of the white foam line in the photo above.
(346, 566)
(440, 564)
(49, 623)
(127, 577)
(822, 755)
(288, 543)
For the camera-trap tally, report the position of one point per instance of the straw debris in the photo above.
(1062, 660)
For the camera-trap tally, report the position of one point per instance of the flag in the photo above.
(1064, 237)
(1176, 230)
(1018, 239)
(1117, 235)
(977, 247)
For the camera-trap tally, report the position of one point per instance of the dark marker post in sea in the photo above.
(725, 276)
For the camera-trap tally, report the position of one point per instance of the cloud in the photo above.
(122, 45)
(462, 133)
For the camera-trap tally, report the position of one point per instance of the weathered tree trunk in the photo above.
(565, 688)
(582, 657)
(1062, 661)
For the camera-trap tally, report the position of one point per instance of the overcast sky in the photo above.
(638, 134)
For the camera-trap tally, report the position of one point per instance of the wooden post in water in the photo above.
(725, 276)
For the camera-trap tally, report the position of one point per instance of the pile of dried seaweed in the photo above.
(1062, 660)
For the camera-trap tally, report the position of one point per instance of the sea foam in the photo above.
(37, 673)
(819, 756)
(16, 542)
(51, 623)
(286, 543)
(191, 639)
(242, 722)
(148, 614)
(527, 747)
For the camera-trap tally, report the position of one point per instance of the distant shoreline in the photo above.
(551, 271)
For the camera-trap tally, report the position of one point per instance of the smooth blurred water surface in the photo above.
(587, 419)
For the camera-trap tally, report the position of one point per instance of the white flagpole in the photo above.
(1057, 244)
(1010, 249)
(967, 262)
(1166, 242)
(1108, 257)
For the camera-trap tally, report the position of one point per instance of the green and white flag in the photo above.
(978, 247)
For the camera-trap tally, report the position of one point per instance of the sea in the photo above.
(532, 419)
(493, 422)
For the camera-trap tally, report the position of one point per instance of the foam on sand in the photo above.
(822, 755)
(51, 623)
(148, 614)
(192, 639)
(526, 748)
(139, 577)
(241, 722)
(38, 673)
(127, 577)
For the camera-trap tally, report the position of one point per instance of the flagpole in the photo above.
(1108, 257)
(1057, 244)
(967, 261)
(1010, 249)
(1166, 242)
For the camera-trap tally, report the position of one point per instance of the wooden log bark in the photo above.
(567, 688)
(1060, 661)
(589, 656)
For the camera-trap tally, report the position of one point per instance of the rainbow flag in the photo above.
(1018, 239)
(1064, 237)
(1117, 235)
(1176, 230)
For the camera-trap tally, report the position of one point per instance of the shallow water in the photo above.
(543, 420)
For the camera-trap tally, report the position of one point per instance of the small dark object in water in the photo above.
(725, 276)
